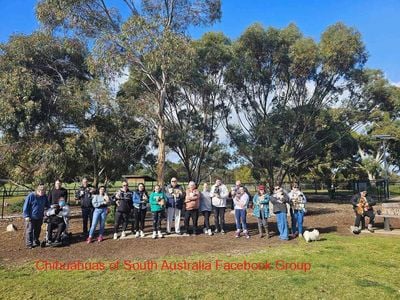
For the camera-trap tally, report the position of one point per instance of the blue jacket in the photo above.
(174, 202)
(138, 200)
(257, 205)
(34, 206)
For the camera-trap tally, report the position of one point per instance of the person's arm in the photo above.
(27, 208)
(354, 200)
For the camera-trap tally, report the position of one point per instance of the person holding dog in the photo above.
(175, 197)
(100, 203)
(123, 201)
(297, 204)
(363, 207)
(219, 193)
(240, 202)
(157, 206)
(192, 203)
(84, 197)
(279, 199)
(33, 213)
(261, 210)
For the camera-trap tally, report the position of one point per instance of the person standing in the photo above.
(297, 203)
(261, 210)
(140, 200)
(192, 202)
(219, 193)
(33, 213)
(175, 196)
(240, 202)
(206, 208)
(84, 197)
(58, 192)
(157, 206)
(100, 203)
(279, 199)
(123, 201)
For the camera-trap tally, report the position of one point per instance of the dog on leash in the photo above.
(311, 236)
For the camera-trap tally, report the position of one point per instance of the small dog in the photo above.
(310, 236)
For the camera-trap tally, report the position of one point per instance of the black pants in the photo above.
(370, 214)
(60, 228)
(219, 218)
(33, 228)
(87, 216)
(206, 215)
(139, 216)
(121, 218)
(194, 214)
(157, 220)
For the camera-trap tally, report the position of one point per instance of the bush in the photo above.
(16, 206)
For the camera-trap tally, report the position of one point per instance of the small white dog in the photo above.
(310, 236)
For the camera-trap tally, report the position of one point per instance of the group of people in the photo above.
(168, 203)
(171, 203)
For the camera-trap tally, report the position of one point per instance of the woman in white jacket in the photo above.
(240, 201)
(219, 193)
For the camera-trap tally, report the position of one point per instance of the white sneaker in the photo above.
(159, 234)
(223, 231)
(204, 230)
(115, 236)
(209, 232)
(154, 235)
(137, 234)
(216, 231)
(123, 234)
(141, 233)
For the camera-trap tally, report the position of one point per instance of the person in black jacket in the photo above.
(123, 202)
(58, 192)
(279, 199)
(363, 207)
(84, 197)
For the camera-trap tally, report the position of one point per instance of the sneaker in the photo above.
(169, 232)
(29, 246)
(115, 236)
(142, 234)
(370, 229)
(123, 234)
(89, 240)
(154, 235)
(159, 234)
(216, 231)
(178, 232)
(204, 230)
(246, 234)
(137, 234)
(237, 234)
(185, 234)
(223, 231)
(100, 238)
(209, 232)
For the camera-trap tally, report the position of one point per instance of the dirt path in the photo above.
(325, 217)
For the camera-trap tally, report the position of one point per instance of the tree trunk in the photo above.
(161, 139)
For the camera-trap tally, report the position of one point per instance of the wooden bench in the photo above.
(389, 210)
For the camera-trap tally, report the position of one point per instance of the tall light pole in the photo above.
(384, 138)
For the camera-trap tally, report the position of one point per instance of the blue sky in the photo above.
(377, 20)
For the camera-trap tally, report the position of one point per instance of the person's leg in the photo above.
(186, 221)
(159, 220)
(125, 217)
(117, 221)
(285, 229)
(50, 228)
(206, 215)
(370, 214)
(195, 217)
(177, 215)
(293, 216)
(243, 216)
(279, 223)
(260, 230)
(136, 219)
(91, 210)
(103, 217)
(142, 218)
(37, 227)
(222, 218)
(300, 218)
(96, 217)
(357, 220)
(29, 233)
(216, 219)
(85, 220)
(170, 216)
(237, 219)
(154, 221)
(60, 229)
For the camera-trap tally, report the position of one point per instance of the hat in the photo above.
(261, 187)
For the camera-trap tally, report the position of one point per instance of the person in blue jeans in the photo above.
(279, 199)
(240, 202)
(100, 202)
(297, 202)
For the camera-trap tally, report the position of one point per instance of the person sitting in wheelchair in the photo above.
(57, 217)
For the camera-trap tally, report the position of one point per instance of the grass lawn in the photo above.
(342, 267)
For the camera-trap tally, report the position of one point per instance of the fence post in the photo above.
(2, 205)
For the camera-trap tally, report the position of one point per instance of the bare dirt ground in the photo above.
(326, 217)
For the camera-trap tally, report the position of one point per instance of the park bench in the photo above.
(389, 210)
